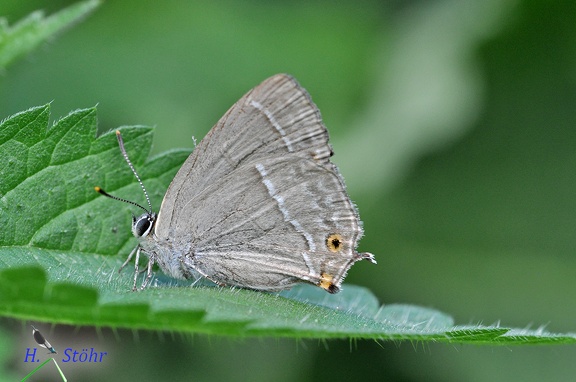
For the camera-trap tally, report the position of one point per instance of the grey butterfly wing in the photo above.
(264, 209)
(275, 118)
(273, 232)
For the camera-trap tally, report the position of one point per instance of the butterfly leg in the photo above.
(148, 273)
(129, 258)
(136, 272)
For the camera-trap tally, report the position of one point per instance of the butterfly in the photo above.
(258, 204)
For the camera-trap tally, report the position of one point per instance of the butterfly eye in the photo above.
(142, 225)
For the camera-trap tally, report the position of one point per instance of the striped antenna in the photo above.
(125, 155)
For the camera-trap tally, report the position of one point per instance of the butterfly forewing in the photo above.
(274, 119)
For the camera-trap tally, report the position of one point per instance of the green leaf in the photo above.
(62, 244)
(27, 34)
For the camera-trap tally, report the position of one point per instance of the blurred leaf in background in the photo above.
(453, 123)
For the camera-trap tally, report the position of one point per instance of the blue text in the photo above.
(71, 355)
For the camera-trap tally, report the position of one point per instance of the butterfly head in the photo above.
(143, 224)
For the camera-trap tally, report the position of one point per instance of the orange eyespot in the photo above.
(334, 242)
(327, 284)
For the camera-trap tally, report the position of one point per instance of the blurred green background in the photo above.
(453, 122)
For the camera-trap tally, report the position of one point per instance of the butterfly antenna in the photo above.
(102, 192)
(125, 155)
